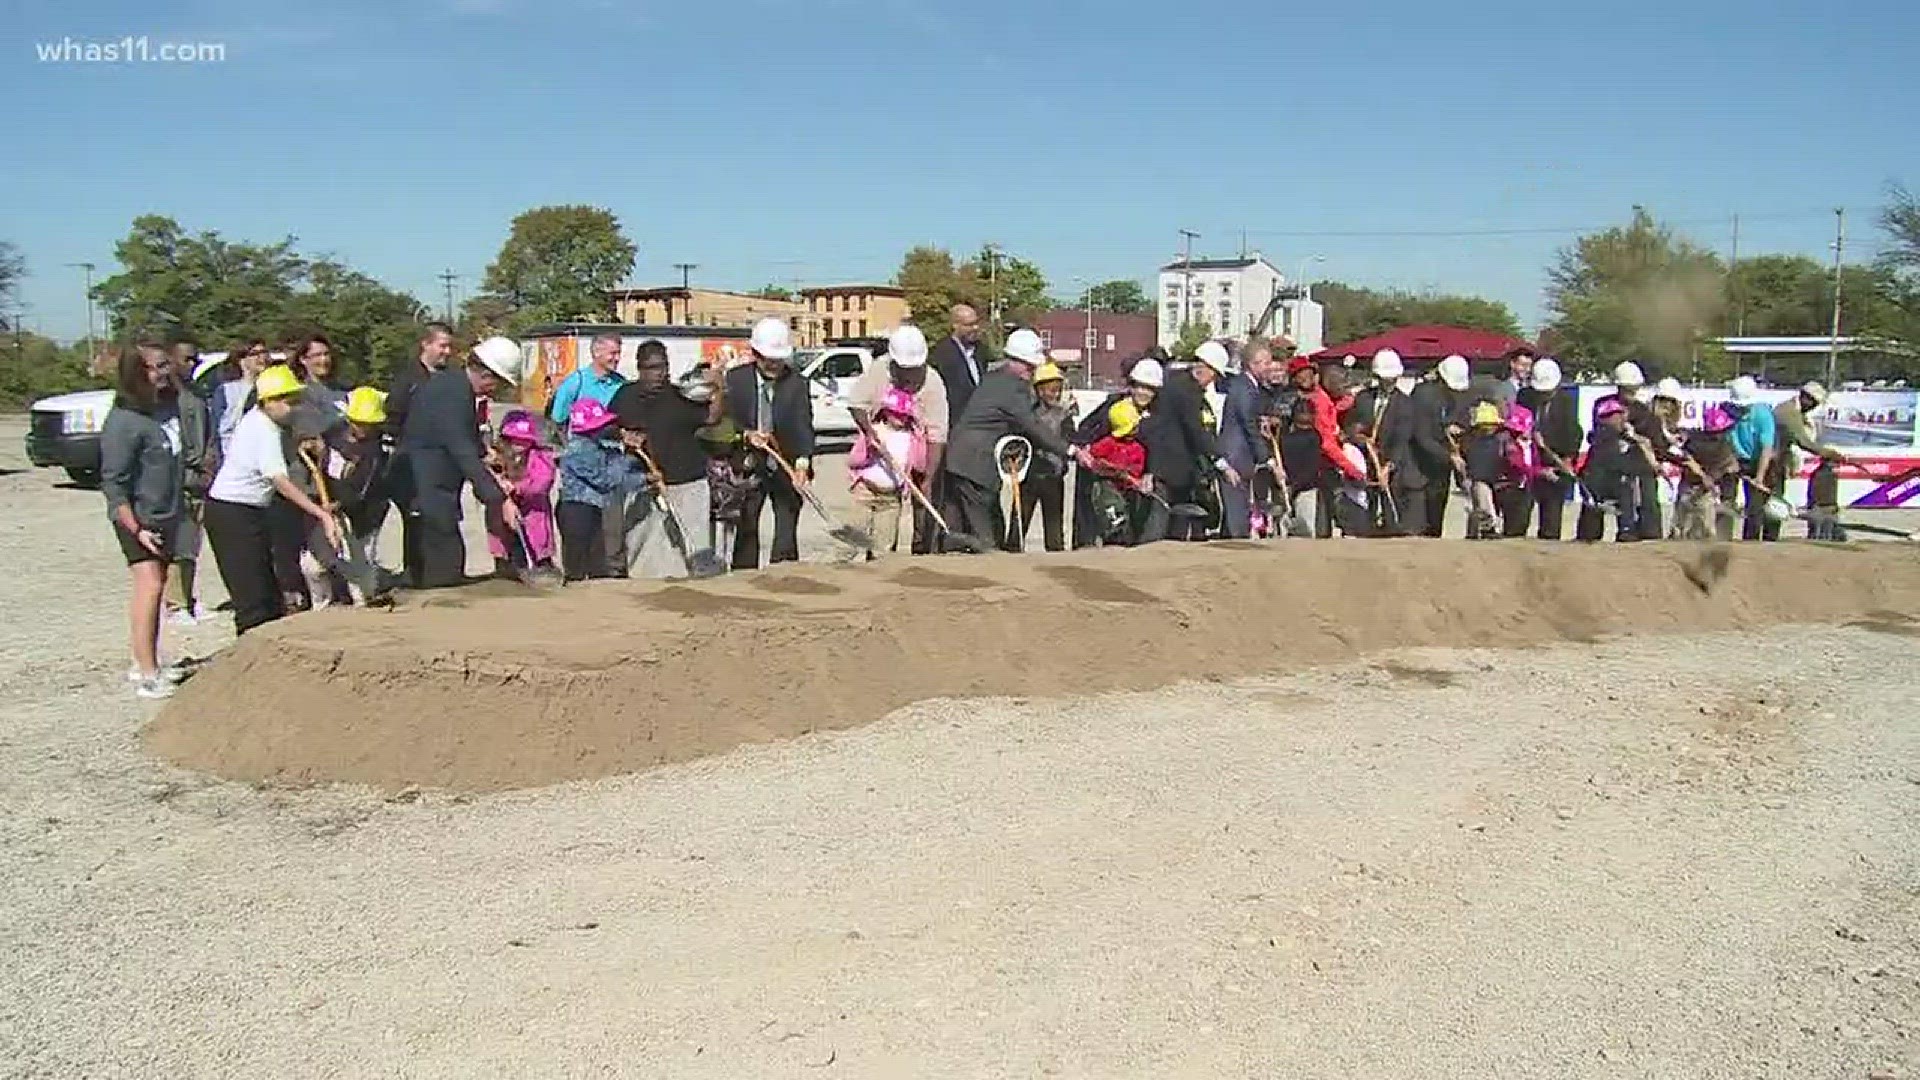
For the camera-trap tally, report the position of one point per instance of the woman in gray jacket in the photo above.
(143, 476)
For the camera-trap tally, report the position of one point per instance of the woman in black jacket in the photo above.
(1558, 437)
(144, 479)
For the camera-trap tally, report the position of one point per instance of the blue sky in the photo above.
(817, 141)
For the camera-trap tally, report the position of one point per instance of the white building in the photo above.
(1231, 295)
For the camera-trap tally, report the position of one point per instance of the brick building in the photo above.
(1118, 340)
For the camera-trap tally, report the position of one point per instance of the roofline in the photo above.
(873, 290)
(568, 329)
(653, 292)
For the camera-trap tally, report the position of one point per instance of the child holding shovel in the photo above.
(526, 471)
(883, 465)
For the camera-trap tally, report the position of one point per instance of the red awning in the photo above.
(1422, 344)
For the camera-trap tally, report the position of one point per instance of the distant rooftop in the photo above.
(1240, 263)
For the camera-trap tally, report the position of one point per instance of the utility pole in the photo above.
(447, 278)
(88, 268)
(1188, 236)
(686, 286)
(1733, 279)
(1839, 249)
(993, 287)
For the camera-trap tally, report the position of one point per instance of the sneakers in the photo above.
(188, 616)
(158, 688)
(171, 674)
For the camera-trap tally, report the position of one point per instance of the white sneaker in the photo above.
(171, 674)
(183, 617)
(157, 688)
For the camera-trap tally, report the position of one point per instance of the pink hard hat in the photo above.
(588, 416)
(897, 401)
(1610, 407)
(521, 428)
(1716, 419)
(1520, 420)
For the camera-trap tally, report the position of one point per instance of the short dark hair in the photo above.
(650, 350)
(434, 326)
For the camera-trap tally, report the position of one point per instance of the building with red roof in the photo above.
(1419, 345)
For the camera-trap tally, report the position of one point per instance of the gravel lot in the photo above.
(1651, 857)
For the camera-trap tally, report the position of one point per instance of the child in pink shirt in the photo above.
(526, 470)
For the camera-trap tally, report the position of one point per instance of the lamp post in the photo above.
(1306, 290)
(1087, 341)
(88, 268)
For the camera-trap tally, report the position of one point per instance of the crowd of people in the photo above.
(292, 476)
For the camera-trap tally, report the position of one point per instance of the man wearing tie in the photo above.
(961, 360)
(770, 403)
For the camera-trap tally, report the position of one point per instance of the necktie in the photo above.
(766, 405)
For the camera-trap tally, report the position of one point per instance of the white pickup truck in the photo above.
(830, 375)
(64, 432)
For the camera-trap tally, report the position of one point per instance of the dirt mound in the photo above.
(511, 690)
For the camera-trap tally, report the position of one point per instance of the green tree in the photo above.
(1192, 336)
(1900, 220)
(33, 367)
(13, 269)
(1016, 286)
(772, 292)
(933, 285)
(1635, 292)
(1355, 311)
(372, 328)
(1122, 297)
(557, 265)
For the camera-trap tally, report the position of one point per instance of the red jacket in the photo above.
(1326, 422)
(1116, 457)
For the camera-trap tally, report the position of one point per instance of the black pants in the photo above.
(1548, 495)
(1516, 509)
(287, 527)
(1086, 528)
(400, 491)
(970, 506)
(1624, 493)
(1754, 524)
(778, 489)
(1185, 528)
(243, 550)
(1646, 503)
(1328, 487)
(442, 551)
(1048, 495)
(583, 543)
(1433, 505)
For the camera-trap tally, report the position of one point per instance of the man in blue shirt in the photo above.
(598, 380)
(1752, 441)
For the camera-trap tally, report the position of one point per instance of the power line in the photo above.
(1541, 230)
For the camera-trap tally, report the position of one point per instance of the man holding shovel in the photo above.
(1003, 405)
(905, 368)
(668, 532)
(771, 405)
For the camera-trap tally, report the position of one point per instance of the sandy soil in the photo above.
(1647, 856)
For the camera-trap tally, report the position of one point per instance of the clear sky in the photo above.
(815, 141)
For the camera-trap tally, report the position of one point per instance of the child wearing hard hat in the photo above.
(357, 470)
(1118, 464)
(1709, 482)
(882, 464)
(595, 470)
(1606, 479)
(1045, 487)
(252, 474)
(526, 471)
(1486, 450)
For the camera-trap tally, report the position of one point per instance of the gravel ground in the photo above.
(1651, 857)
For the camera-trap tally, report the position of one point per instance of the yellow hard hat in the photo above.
(1123, 418)
(365, 405)
(1486, 413)
(1048, 372)
(277, 381)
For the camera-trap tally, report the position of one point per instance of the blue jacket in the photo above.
(591, 470)
(1240, 440)
(1753, 432)
(582, 383)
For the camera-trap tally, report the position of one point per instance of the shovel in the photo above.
(1014, 454)
(1294, 526)
(704, 564)
(849, 535)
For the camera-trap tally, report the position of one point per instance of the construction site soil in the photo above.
(493, 687)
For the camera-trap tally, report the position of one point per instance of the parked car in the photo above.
(64, 432)
(831, 373)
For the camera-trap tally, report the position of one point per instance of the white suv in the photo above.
(830, 375)
(64, 431)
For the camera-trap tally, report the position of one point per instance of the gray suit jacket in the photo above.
(1240, 440)
(1003, 405)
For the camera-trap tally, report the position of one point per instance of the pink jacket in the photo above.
(533, 494)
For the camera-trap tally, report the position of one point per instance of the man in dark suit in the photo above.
(1183, 400)
(770, 403)
(1003, 404)
(1243, 445)
(441, 443)
(962, 360)
(436, 346)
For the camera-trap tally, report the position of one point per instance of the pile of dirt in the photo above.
(509, 690)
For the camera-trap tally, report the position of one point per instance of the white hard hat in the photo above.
(1454, 372)
(1628, 374)
(1668, 387)
(1387, 365)
(772, 339)
(1743, 390)
(1546, 375)
(1148, 372)
(1214, 355)
(1816, 392)
(500, 355)
(1025, 346)
(907, 347)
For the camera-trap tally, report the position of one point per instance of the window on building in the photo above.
(863, 306)
(1226, 315)
(1173, 290)
(846, 327)
(846, 303)
(1110, 343)
(1173, 313)
(1046, 339)
(863, 328)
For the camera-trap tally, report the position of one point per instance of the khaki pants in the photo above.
(880, 516)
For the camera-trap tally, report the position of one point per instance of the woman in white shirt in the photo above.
(252, 472)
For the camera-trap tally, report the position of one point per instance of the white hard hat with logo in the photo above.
(1026, 347)
(772, 339)
(500, 355)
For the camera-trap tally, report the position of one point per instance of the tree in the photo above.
(772, 292)
(1192, 336)
(1635, 292)
(557, 265)
(1122, 297)
(932, 283)
(1900, 218)
(219, 291)
(1015, 285)
(33, 367)
(1355, 311)
(12, 269)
